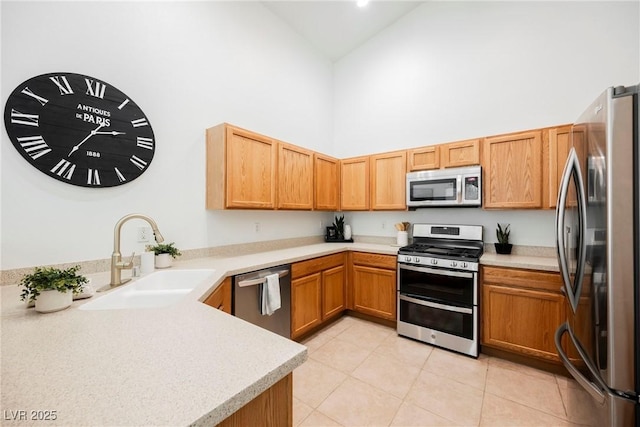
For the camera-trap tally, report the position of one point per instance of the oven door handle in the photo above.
(464, 274)
(436, 305)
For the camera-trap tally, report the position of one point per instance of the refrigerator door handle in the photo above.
(572, 168)
(596, 392)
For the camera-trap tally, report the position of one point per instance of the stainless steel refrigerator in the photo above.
(597, 232)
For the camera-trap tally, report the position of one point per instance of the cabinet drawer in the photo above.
(374, 260)
(528, 279)
(304, 268)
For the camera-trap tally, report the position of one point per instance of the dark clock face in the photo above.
(79, 130)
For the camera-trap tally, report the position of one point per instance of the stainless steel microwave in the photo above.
(445, 187)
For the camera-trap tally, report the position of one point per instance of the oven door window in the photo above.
(437, 189)
(449, 287)
(441, 319)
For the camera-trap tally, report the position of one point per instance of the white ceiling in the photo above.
(337, 27)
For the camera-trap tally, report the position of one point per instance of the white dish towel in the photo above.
(271, 294)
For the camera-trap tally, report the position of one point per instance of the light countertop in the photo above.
(186, 364)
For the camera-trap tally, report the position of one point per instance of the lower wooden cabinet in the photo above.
(521, 310)
(273, 407)
(305, 303)
(221, 297)
(373, 284)
(317, 292)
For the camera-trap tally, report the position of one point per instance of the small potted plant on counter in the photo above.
(165, 254)
(503, 246)
(51, 288)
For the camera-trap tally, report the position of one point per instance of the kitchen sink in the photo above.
(159, 289)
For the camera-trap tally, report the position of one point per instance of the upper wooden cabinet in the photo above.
(462, 153)
(354, 184)
(326, 183)
(423, 158)
(295, 177)
(513, 171)
(388, 181)
(241, 169)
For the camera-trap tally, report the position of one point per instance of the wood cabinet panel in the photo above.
(521, 320)
(458, 154)
(374, 291)
(423, 158)
(314, 265)
(241, 169)
(354, 184)
(374, 260)
(513, 171)
(305, 303)
(531, 279)
(295, 177)
(272, 408)
(221, 297)
(326, 183)
(388, 181)
(333, 292)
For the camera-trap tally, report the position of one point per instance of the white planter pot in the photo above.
(50, 301)
(164, 261)
(347, 232)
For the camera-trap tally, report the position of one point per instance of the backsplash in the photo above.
(11, 277)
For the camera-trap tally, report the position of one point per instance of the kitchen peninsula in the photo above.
(187, 364)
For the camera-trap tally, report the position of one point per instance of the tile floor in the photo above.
(363, 374)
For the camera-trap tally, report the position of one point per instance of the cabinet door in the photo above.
(305, 303)
(521, 320)
(457, 154)
(295, 177)
(513, 171)
(221, 297)
(374, 291)
(333, 292)
(354, 184)
(250, 170)
(388, 181)
(423, 158)
(555, 148)
(326, 183)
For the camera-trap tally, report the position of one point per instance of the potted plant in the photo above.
(51, 288)
(503, 246)
(165, 253)
(339, 226)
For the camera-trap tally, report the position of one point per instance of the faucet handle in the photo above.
(129, 263)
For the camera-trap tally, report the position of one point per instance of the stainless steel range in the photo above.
(438, 286)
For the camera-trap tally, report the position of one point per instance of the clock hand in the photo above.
(75, 147)
(110, 132)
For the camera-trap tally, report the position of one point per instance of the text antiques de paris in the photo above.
(79, 130)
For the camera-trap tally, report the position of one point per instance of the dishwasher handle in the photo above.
(260, 280)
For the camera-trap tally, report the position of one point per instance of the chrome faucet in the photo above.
(117, 265)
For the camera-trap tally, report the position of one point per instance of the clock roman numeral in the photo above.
(145, 143)
(138, 162)
(121, 177)
(34, 146)
(64, 169)
(139, 122)
(19, 118)
(38, 98)
(95, 89)
(125, 102)
(63, 84)
(93, 178)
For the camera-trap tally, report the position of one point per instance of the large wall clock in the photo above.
(79, 130)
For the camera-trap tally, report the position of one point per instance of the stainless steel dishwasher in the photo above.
(247, 294)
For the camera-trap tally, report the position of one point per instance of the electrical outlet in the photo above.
(144, 234)
(384, 224)
(321, 225)
(257, 227)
